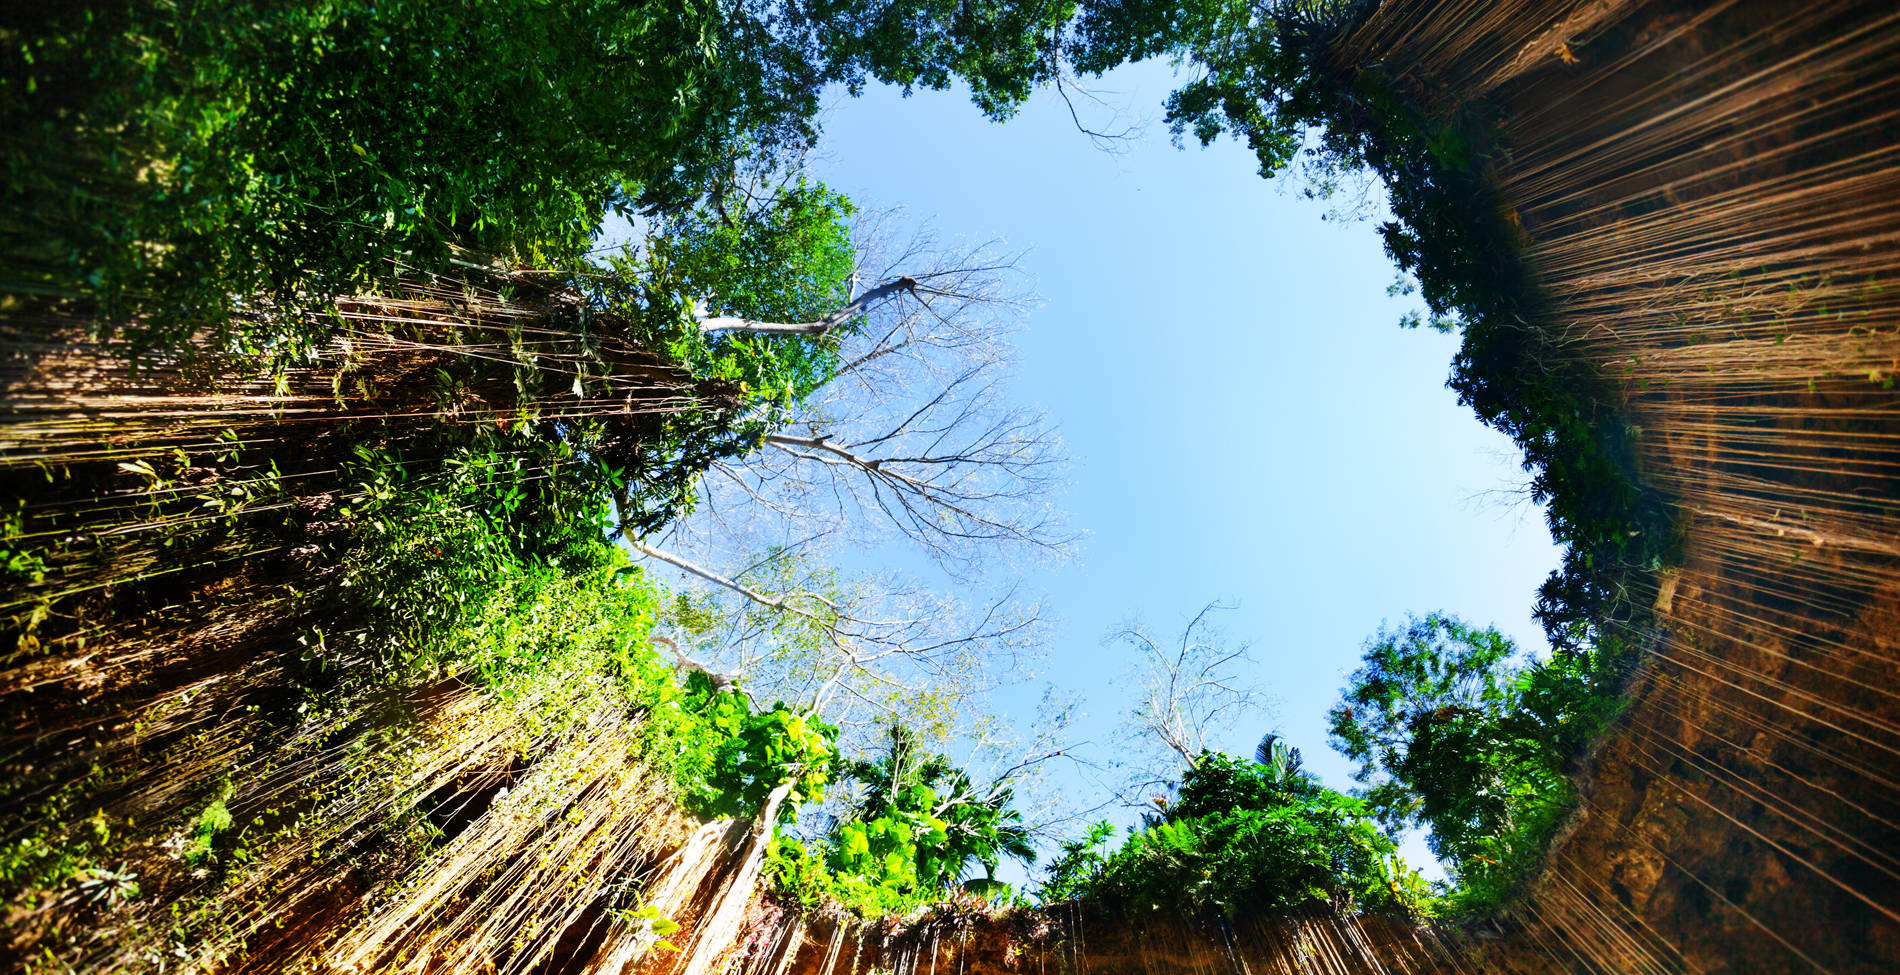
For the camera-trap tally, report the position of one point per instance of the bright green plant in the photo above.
(201, 845)
(917, 829)
(951, 823)
(743, 755)
(1078, 864)
(647, 925)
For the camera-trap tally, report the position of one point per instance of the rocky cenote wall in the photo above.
(1707, 197)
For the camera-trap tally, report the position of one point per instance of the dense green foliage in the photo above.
(916, 829)
(1240, 837)
(174, 158)
(1002, 49)
(742, 755)
(284, 150)
(1452, 733)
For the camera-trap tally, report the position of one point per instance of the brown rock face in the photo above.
(1710, 198)
(1074, 939)
(1716, 221)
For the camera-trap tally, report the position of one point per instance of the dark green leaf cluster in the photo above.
(1002, 49)
(1256, 76)
(169, 161)
(1243, 837)
(1452, 733)
(295, 150)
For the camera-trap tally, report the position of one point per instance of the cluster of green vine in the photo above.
(916, 829)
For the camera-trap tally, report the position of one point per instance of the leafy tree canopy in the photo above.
(1243, 836)
(782, 254)
(1452, 733)
(1253, 76)
(1002, 49)
(1424, 717)
(164, 158)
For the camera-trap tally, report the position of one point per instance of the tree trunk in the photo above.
(814, 329)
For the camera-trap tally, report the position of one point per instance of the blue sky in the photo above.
(1246, 419)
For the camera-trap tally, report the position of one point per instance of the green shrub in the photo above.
(201, 845)
(918, 828)
(1453, 734)
(1243, 836)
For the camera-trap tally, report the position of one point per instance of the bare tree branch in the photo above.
(818, 329)
(912, 435)
(1115, 142)
(782, 603)
(909, 436)
(1190, 691)
(808, 635)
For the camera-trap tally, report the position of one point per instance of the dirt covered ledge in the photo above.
(972, 938)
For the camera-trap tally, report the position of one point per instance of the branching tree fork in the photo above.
(818, 329)
(1191, 689)
(911, 433)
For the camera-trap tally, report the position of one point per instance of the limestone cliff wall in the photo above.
(1708, 196)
